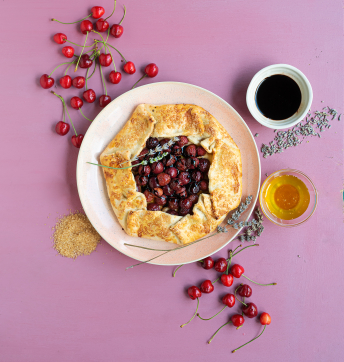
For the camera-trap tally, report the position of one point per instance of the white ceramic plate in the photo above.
(92, 187)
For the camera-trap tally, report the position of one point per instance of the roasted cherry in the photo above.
(141, 180)
(173, 204)
(203, 185)
(144, 170)
(250, 310)
(182, 193)
(192, 163)
(153, 182)
(207, 286)
(245, 291)
(143, 153)
(181, 165)
(153, 207)
(221, 265)
(172, 171)
(184, 178)
(183, 212)
(194, 293)
(170, 160)
(163, 142)
(229, 300)
(237, 320)
(196, 176)
(208, 263)
(194, 199)
(157, 167)
(190, 151)
(200, 151)
(152, 142)
(172, 212)
(149, 196)
(176, 185)
(183, 140)
(163, 179)
(176, 150)
(167, 190)
(157, 191)
(227, 280)
(203, 165)
(162, 200)
(193, 188)
(185, 203)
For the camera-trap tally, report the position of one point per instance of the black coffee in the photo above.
(278, 97)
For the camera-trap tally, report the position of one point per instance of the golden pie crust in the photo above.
(167, 121)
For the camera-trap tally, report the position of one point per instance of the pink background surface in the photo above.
(91, 309)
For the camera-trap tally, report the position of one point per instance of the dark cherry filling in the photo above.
(177, 180)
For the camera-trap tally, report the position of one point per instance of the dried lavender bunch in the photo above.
(254, 228)
(236, 214)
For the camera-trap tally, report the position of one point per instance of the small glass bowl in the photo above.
(312, 202)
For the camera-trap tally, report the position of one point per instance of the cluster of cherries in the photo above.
(101, 57)
(174, 182)
(250, 310)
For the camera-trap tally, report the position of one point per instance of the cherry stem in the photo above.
(94, 69)
(236, 296)
(75, 22)
(125, 11)
(183, 325)
(256, 282)
(85, 116)
(174, 273)
(78, 45)
(82, 50)
(101, 73)
(230, 260)
(208, 319)
(250, 340)
(218, 331)
(58, 67)
(115, 49)
(65, 107)
(73, 62)
(249, 246)
(114, 8)
(145, 75)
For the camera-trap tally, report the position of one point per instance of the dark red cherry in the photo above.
(46, 82)
(229, 300)
(175, 184)
(78, 82)
(250, 310)
(237, 270)
(168, 191)
(170, 160)
(143, 180)
(190, 151)
(152, 142)
(207, 286)
(85, 61)
(104, 100)
(152, 70)
(227, 280)
(144, 170)
(153, 207)
(162, 200)
(196, 176)
(172, 171)
(185, 203)
(86, 26)
(176, 150)
(97, 12)
(76, 102)
(129, 68)
(183, 140)
(194, 292)
(184, 178)
(158, 191)
(163, 142)
(116, 30)
(143, 153)
(237, 320)
(153, 182)
(181, 165)
(102, 25)
(183, 212)
(172, 212)
(77, 140)
(60, 38)
(194, 199)
(193, 188)
(208, 263)
(163, 179)
(203, 185)
(62, 128)
(173, 204)
(157, 167)
(66, 81)
(192, 163)
(221, 265)
(89, 96)
(200, 151)
(68, 51)
(203, 165)
(115, 77)
(182, 193)
(245, 291)
(149, 196)
(105, 59)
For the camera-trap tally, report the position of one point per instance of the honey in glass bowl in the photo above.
(287, 197)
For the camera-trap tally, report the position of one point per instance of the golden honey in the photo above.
(287, 197)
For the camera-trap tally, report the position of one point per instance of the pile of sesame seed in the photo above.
(310, 126)
(74, 235)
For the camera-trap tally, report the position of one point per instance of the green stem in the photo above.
(230, 261)
(73, 62)
(101, 73)
(236, 296)
(76, 67)
(183, 325)
(256, 282)
(249, 246)
(85, 116)
(208, 319)
(125, 11)
(75, 22)
(58, 67)
(250, 340)
(174, 273)
(114, 8)
(78, 45)
(218, 331)
(138, 81)
(65, 107)
(94, 69)
(116, 168)
(117, 51)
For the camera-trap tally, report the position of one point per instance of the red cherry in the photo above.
(229, 300)
(194, 292)
(245, 291)
(129, 67)
(86, 26)
(62, 128)
(97, 12)
(68, 51)
(89, 95)
(76, 102)
(116, 30)
(85, 61)
(115, 77)
(265, 319)
(227, 280)
(105, 59)
(46, 81)
(78, 82)
(104, 100)
(237, 320)
(207, 286)
(60, 38)
(250, 310)
(208, 263)
(76, 140)
(151, 70)
(237, 270)
(221, 265)
(66, 81)
(102, 25)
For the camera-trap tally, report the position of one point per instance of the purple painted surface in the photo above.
(91, 309)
